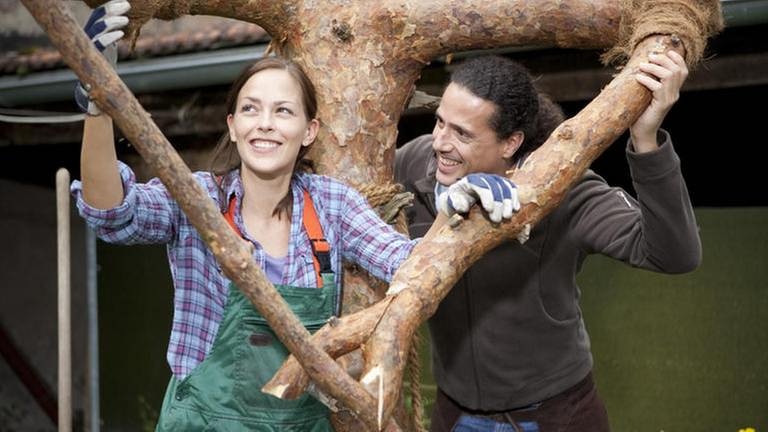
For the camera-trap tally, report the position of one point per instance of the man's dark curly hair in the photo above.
(509, 86)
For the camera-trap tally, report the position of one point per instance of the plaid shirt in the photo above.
(148, 214)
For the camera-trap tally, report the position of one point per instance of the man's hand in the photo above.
(103, 28)
(664, 75)
(497, 195)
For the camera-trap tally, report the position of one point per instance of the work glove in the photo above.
(497, 195)
(103, 28)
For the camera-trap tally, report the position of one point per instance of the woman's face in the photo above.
(269, 124)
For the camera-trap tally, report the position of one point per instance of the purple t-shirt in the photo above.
(273, 267)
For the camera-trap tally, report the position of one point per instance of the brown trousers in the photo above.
(577, 409)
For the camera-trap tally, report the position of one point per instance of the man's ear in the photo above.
(513, 143)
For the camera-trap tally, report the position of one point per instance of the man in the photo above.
(510, 349)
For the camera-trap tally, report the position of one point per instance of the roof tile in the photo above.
(212, 36)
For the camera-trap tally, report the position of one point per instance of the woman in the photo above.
(221, 350)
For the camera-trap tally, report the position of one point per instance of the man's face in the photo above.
(464, 142)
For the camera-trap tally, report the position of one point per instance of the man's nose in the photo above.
(440, 140)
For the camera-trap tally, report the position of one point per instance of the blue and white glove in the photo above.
(497, 195)
(103, 28)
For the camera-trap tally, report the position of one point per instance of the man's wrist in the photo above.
(644, 143)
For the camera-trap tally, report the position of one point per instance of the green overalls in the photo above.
(223, 393)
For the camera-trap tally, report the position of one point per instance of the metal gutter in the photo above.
(737, 13)
(220, 67)
(142, 76)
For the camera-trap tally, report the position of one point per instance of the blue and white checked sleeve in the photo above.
(369, 241)
(148, 214)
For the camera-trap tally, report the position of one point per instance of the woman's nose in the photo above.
(266, 122)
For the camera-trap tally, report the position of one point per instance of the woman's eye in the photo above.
(284, 110)
(247, 108)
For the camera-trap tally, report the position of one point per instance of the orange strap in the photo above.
(321, 249)
(229, 216)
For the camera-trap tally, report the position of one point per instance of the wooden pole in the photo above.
(230, 251)
(93, 411)
(65, 340)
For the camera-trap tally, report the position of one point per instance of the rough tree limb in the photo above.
(544, 180)
(437, 264)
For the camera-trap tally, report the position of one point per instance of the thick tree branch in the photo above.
(437, 264)
(544, 179)
(476, 24)
(274, 16)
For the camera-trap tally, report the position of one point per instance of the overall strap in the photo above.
(321, 249)
(229, 216)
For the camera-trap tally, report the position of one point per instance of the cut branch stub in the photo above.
(290, 381)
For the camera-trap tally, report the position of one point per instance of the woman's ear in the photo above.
(312, 128)
(513, 143)
(231, 128)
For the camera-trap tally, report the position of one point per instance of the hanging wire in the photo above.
(38, 117)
